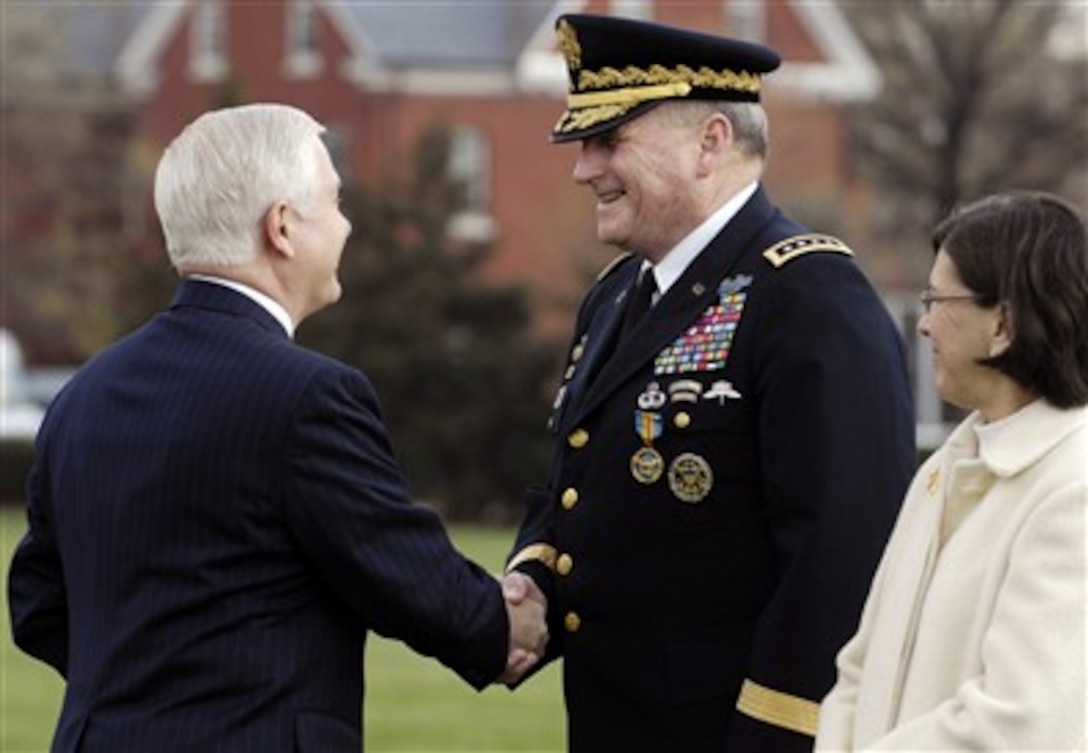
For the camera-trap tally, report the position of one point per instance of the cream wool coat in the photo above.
(973, 636)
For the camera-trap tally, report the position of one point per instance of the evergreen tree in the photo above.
(462, 379)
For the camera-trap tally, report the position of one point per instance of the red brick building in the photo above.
(378, 74)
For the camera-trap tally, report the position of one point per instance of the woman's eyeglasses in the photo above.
(928, 298)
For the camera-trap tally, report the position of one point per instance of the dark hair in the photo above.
(1027, 251)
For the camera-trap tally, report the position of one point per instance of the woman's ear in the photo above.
(1002, 335)
(275, 226)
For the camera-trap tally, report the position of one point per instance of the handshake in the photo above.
(526, 608)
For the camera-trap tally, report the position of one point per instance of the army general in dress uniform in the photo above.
(728, 464)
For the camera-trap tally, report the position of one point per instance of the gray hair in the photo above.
(220, 176)
(749, 119)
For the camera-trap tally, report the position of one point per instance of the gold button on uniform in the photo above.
(572, 622)
(564, 564)
(682, 420)
(569, 498)
(578, 438)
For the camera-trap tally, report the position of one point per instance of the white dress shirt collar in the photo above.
(679, 258)
(270, 305)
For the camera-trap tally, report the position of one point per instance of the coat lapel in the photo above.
(903, 593)
(696, 290)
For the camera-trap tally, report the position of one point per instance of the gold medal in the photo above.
(647, 465)
(690, 478)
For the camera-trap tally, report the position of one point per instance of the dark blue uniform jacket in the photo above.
(724, 482)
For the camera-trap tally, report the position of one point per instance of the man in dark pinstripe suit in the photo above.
(216, 516)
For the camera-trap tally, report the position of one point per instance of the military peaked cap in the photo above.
(620, 68)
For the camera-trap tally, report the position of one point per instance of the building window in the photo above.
(208, 60)
(469, 173)
(639, 9)
(303, 44)
(469, 168)
(747, 20)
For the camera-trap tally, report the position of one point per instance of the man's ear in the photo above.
(275, 226)
(714, 140)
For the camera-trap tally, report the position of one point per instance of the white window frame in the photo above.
(642, 10)
(207, 41)
(747, 20)
(469, 166)
(303, 42)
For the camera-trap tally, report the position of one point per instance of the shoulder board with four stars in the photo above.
(613, 264)
(789, 249)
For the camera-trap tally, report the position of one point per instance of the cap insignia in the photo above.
(569, 46)
(573, 120)
(704, 78)
(610, 93)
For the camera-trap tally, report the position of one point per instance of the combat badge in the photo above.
(652, 398)
(690, 478)
(721, 390)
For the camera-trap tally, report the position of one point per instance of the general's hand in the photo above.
(526, 607)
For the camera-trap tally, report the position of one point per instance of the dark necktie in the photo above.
(641, 299)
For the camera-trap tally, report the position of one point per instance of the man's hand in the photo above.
(526, 608)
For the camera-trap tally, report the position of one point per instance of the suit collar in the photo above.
(269, 304)
(212, 296)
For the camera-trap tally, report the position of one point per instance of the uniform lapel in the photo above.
(696, 289)
(602, 333)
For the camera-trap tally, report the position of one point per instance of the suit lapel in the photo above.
(696, 290)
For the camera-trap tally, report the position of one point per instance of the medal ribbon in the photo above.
(648, 425)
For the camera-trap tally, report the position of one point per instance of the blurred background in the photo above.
(472, 246)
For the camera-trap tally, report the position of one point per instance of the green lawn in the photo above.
(412, 704)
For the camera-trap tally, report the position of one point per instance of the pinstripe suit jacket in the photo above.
(216, 520)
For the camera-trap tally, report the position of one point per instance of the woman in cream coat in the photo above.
(973, 636)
